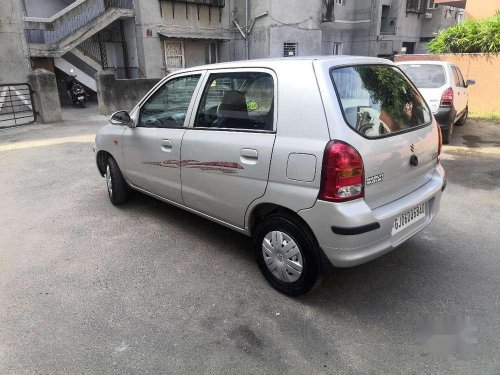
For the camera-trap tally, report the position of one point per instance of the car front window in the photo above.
(168, 106)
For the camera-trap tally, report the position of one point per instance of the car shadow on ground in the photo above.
(381, 286)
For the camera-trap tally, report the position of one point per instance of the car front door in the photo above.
(226, 151)
(464, 96)
(459, 91)
(152, 149)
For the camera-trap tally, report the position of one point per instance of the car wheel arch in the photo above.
(266, 209)
(101, 160)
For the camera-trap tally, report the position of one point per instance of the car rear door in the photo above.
(385, 118)
(226, 151)
(152, 149)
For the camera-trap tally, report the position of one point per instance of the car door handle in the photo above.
(166, 145)
(249, 155)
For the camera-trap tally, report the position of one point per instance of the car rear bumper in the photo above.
(445, 116)
(351, 233)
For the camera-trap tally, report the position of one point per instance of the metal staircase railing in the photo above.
(91, 48)
(60, 28)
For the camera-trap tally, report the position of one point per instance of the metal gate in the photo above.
(16, 105)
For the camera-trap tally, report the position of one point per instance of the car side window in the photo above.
(239, 100)
(462, 82)
(456, 77)
(168, 106)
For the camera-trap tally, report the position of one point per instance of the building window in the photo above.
(290, 49)
(432, 5)
(408, 48)
(211, 53)
(387, 23)
(337, 48)
(174, 55)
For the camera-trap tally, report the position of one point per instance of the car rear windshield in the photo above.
(425, 76)
(378, 100)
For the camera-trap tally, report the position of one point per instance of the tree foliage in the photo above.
(471, 36)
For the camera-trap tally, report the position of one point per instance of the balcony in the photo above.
(213, 3)
(453, 3)
(416, 6)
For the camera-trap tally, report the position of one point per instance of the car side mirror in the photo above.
(470, 82)
(121, 118)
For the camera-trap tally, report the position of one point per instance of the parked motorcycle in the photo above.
(75, 90)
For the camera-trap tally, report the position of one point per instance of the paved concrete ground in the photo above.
(148, 288)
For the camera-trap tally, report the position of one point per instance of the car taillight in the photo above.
(342, 175)
(447, 97)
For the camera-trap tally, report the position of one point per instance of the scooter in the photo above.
(76, 92)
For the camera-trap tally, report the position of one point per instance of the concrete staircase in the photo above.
(85, 73)
(61, 33)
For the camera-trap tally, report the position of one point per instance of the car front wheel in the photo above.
(463, 119)
(118, 189)
(287, 255)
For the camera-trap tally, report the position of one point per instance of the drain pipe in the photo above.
(248, 29)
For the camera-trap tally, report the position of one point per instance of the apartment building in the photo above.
(151, 38)
(352, 27)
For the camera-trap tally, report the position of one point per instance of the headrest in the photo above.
(233, 104)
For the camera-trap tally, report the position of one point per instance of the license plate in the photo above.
(407, 218)
(81, 97)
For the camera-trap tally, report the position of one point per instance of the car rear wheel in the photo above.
(287, 255)
(118, 189)
(463, 119)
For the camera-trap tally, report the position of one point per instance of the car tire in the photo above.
(446, 134)
(118, 190)
(463, 119)
(287, 255)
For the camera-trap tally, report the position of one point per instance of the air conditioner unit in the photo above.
(428, 15)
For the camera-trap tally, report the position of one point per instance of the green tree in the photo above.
(471, 36)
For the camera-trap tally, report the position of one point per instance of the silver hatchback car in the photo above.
(333, 159)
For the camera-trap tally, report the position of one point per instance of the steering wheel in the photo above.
(153, 122)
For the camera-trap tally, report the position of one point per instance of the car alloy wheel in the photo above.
(282, 256)
(109, 181)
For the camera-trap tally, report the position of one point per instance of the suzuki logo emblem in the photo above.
(412, 147)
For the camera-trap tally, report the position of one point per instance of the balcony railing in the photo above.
(52, 31)
(214, 3)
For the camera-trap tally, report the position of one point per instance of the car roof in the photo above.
(287, 61)
(425, 62)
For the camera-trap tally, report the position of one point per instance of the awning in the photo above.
(194, 33)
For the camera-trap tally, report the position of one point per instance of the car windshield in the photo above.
(425, 76)
(377, 100)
